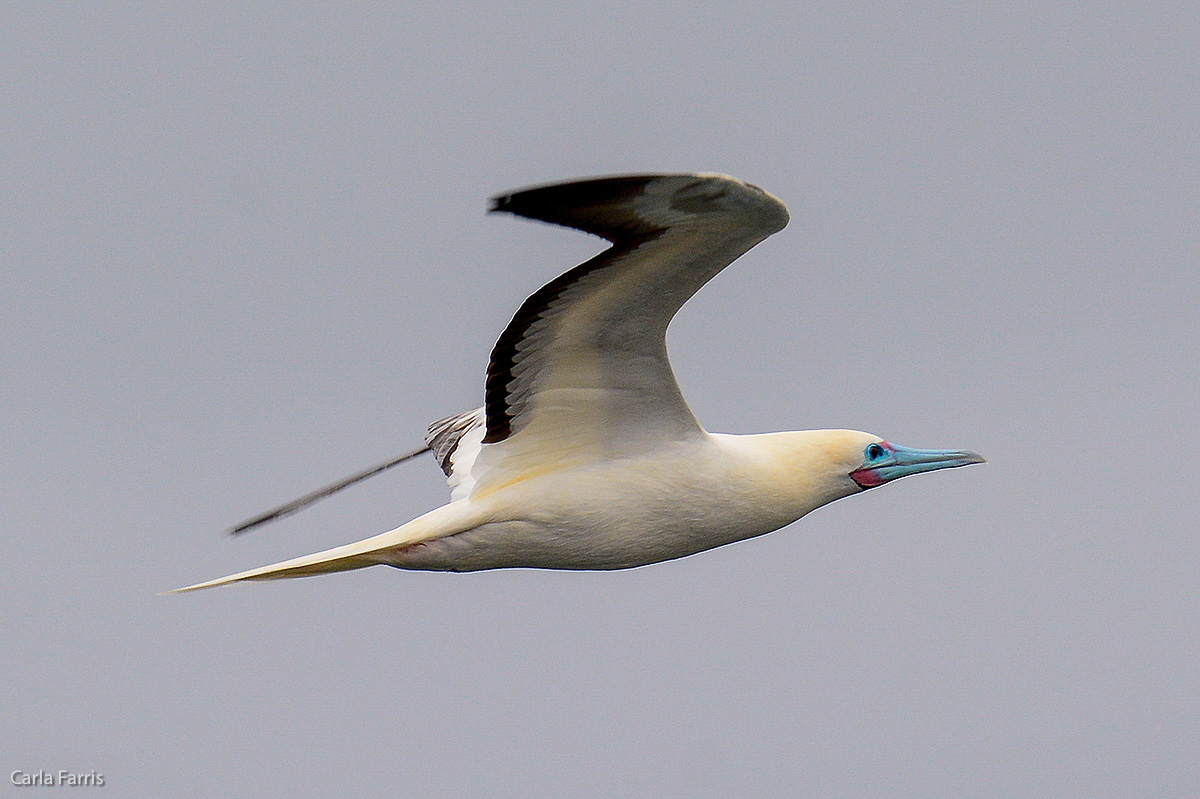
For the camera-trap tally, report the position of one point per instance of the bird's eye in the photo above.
(874, 452)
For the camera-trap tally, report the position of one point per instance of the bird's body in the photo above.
(615, 514)
(585, 455)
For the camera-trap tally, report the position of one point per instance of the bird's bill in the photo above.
(903, 461)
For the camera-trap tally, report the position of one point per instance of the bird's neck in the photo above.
(797, 471)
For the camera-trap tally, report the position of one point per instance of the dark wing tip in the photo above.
(600, 206)
(628, 207)
(300, 503)
(257, 521)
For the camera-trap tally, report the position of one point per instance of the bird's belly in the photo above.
(613, 524)
(534, 545)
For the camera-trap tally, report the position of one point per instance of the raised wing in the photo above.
(583, 365)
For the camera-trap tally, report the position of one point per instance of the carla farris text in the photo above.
(63, 777)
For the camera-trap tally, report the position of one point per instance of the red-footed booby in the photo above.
(585, 454)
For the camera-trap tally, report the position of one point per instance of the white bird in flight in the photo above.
(585, 454)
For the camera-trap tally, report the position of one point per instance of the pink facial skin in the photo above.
(868, 476)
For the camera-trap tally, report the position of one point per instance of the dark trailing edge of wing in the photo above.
(602, 207)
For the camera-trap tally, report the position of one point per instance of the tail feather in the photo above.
(446, 520)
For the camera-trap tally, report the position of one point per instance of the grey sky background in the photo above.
(244, 253)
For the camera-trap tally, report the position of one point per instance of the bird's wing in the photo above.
(582, 368)
(455, 442)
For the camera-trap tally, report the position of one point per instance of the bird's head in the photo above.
(871, 461)
(825, 465)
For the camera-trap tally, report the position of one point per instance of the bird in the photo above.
(585, 454)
